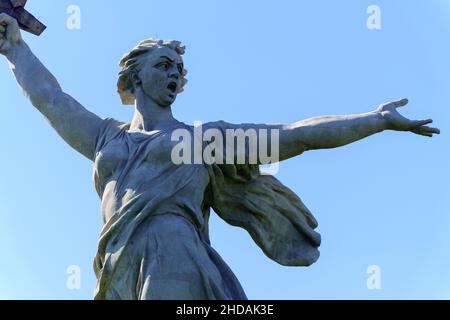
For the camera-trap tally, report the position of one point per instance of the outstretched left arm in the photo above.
(327, 132)
(335, 131)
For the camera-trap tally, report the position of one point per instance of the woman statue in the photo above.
(154, 243)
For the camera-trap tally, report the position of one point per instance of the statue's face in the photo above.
(161, 75)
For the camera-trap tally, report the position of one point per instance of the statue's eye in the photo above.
(163, 66)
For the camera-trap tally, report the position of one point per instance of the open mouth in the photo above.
(172, 86)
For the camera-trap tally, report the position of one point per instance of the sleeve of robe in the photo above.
(274, 216)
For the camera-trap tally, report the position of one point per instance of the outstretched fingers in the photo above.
(426, 131)
(390, 106)
(401, 103)
(419, 123)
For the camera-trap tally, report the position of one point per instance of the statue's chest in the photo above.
(134, 155)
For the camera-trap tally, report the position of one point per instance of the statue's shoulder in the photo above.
(217, 125)
(111, 125)
(110, 129)
(204, 126)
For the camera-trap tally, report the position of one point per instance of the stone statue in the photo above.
(154, 243)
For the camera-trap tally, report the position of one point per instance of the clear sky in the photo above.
(383, 201)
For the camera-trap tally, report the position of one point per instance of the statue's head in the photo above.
(155, 67)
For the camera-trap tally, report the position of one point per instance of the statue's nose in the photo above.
(174, 75)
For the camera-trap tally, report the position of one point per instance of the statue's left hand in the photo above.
(395, 121)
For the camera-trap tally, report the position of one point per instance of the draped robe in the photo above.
(155, 242)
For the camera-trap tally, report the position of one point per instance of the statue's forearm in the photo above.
(37, 83)
(328, 132)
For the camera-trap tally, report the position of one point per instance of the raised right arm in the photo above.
(76, 125)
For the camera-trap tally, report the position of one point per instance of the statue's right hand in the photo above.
(9, 33)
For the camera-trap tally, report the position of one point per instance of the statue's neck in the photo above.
(149, 116)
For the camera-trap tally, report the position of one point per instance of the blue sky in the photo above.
(383, 201)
